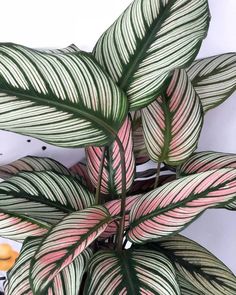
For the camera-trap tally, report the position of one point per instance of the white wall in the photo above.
(57, 23)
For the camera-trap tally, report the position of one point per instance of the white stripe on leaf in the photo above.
(67, 282)
(131, 272)
(214, 79)
(171, 207)
(148, 41)
(173, 122)
(65, 99)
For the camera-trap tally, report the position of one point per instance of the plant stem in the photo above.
(158, 174)
(98, 188)
(120, 231)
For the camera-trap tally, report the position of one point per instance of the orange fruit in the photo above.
(7, 257)
(5, 251)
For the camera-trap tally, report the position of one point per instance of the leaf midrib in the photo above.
(63, 107)
(172, 206)
(70, 249)
(183, 261)
(126, 262)
(142, 47)
(41, 224)
(40, 198)
(216, 71)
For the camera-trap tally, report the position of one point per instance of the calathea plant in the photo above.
(138, 96)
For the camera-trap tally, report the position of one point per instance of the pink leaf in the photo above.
(111, 176)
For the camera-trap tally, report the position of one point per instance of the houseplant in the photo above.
(138, 96)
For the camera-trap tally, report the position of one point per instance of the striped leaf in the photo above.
(32, 163)
(64, 242)
(197, 266)
(140, 150)
(173, 206)
(148, 41)
(69, 49)
(186, 287)
(67, 282)
(214, 78)
(173, 122)
(114, 208)
(205, 161)
(131, 272)
(112, 170)
(63, 99)
(18, 227)
(81, 172)
(45, 196)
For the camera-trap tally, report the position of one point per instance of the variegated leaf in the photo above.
(198, 266)
(205, 161)
(18, 227)
(112, 169)
(64, 99)
(140, 150)
(45, 196)
(173, 206)
(114, 208)
(64, 242)
(80, 170)
(173, 122)
(69, 49)
(30, 164)
(214, 78)
(186, 287)
(67, 282)
(148, 41)
(131, 272)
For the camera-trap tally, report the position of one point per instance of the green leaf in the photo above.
(30, 164)
(131, 272)
(64, 242)
(63, 99)
(197, 266)
(67, 282)
(45, 196)
(148, 41)
(214, 79)
(68, 49)
(186, 288)
(171, 207)
(173, 122)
